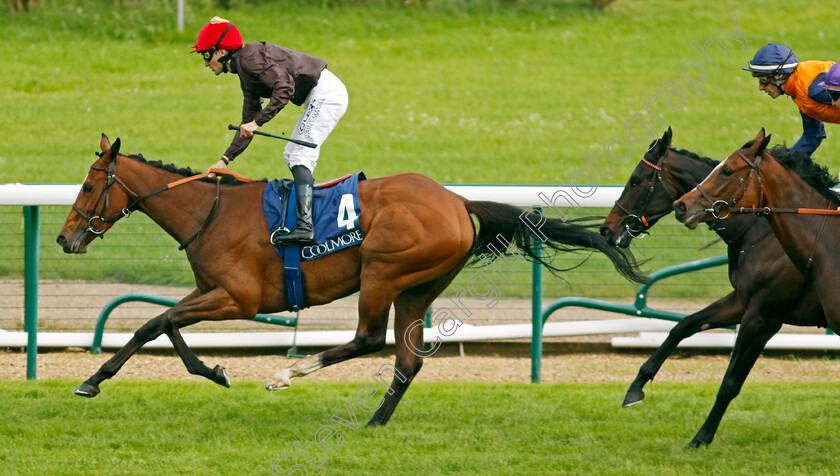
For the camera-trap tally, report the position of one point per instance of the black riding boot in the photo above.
(304, 232)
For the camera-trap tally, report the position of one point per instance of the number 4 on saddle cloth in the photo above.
(335, 213)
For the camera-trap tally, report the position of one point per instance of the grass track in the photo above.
(148, 427)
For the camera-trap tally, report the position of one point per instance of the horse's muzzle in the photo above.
(74, 244)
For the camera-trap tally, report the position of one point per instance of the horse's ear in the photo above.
(760, 136)
(763, 145)
(659, 147)
(666, 138)
(115, 148)
(758, 144)
(104, 143)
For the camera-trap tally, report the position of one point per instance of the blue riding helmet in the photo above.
(832, 79)
(775, 58)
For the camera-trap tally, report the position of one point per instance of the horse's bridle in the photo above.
(106, 193)
(112, 179)
(721, 209)
(637, 225)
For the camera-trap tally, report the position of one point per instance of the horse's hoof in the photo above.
(276, 386)
(633, 397)
(87, 390)
(280, 381)
(696, 443)
(221, 376)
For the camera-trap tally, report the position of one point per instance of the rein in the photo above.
(112, 179)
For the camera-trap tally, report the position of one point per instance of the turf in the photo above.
(147, 427)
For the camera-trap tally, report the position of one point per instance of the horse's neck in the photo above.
(803, 237)
(179, 210)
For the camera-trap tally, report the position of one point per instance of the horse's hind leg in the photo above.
(752, 337)
(410, 307)
(724, 312)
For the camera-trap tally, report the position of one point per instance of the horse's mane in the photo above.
(184, 171)
(814, 174)
(693, 155)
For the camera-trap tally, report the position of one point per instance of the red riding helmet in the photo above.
(219, 34)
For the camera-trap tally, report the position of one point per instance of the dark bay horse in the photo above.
(794, 194)
(768, 289)
(417, 237)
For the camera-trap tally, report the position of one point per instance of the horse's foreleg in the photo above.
(724, 312)
(195, 307)
(193, 364)
(214, 305)
(752, 337)
(374, 305)
(149, 331)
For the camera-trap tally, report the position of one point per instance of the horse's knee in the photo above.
(151, 329)
(728, 391)
(410, 366)
(371, 342)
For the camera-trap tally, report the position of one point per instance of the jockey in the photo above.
(281, 75)
(832, 85)
(779, 72)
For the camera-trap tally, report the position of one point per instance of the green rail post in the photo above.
(536, 313)
(30, 286)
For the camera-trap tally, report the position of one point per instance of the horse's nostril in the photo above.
(680, 207)
(605, 230)
(61, 240)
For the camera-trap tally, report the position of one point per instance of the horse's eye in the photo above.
(634, 182)
(726, 172)
(87, 188)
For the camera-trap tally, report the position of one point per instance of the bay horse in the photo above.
(768, 289)
(417, 237)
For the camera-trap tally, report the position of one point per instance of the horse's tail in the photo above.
(501, 224)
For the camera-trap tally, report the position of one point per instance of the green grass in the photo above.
(146, 427)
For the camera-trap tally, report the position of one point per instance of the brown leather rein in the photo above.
(112, 179)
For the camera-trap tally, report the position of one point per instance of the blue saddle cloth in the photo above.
(336, 213)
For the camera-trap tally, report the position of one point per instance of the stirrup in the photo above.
(282, 229)
(290, 239)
